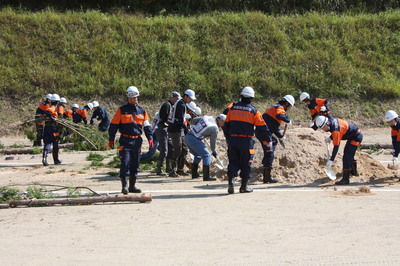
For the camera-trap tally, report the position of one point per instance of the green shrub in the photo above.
(7, 194)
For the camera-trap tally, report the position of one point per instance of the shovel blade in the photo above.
(221, 164)
(330, 174)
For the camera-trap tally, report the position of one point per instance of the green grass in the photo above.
(8, 193)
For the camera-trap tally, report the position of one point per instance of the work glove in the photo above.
(394, 160)
(283, 138)
(329, 164)
(290, 123)
(111, 144)
(215, 154)
(151, 144)
(311, 123)
(392, 152)
(328, 140)
(322, 109)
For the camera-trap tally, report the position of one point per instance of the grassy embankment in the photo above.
(92, 55)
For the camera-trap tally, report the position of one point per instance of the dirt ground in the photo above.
(303, 219)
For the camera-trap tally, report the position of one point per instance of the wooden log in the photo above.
(30, 150)
(375, 146)
(80, 201)
(4, 206)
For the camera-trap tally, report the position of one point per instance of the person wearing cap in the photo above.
(342, 130)
(130, 120)
(274, 116)
(80, 115)
(242, 122)
(392, 118)
(317, 107)
(176, 131)
(39, 115)
(201, 129)
(100, 114)
(61, 107)
(51, 135)
(161, 131)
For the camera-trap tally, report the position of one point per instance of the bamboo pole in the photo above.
(142, 198)
(376, 146)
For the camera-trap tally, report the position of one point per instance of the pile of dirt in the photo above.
(303, 159)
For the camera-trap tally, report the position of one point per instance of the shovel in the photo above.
(328, 171)
(280, 140)
(220, 164)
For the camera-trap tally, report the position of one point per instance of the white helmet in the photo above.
(304, 96)
(192, 106)
(390, 115)
(248, 92)
(222, 117)
(90, 106)
(321, 121)
(74, 106)
(289, 99)
(55, 98)
(197, 111)
(63, 100)
(191, 94)
(48, 96)
(95, 104)
(132, 91)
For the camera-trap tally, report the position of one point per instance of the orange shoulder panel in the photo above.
(117, 117)
(243, 116)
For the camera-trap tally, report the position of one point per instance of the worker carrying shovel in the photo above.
(392, 119)
(273, 117)
(342, 130)
(200, 129)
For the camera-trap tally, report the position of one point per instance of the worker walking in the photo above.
(392, 118)
(51, 134)
(342, 130)
(242, 121)
(39, 115)
(274, 116)
(176, 131)
(317, 107)
(131, 120)
(100, 114)
(162, 128)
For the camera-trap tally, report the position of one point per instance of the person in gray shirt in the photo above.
(201, 128)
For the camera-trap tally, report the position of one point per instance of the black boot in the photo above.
(231, 186)
(244, 188)
(172, 173)
(206, 174)
(195, 168)
(55, 158)
(345, 180)
(168, 167)
(267, 176)
(124, 181)
(132, 182)
(44, 158)
(159, 170)
(354, 169)
(181, 165)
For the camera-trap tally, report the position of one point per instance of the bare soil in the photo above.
(303, 219)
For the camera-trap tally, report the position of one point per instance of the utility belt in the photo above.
(129, 136)
(242, 136)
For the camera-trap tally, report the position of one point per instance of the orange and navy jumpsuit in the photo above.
(60, 110)
(315, 110)
(242, 122)
(80, 115)
(68, 114)
(225, 112)
(51, 134)
(131, 121)
(342, 130)
(273, 117)
(40, 113)
(395, 133)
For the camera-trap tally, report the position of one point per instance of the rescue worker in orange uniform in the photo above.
(274, 116)
(40, 113)
(242, 121)
(316, 106)
(80, 115)
(131, 120)
(51, 134)
(392, 118)
(342, 130)
(61, 107)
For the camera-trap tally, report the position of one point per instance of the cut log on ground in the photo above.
(142, 198)
(372, 146)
